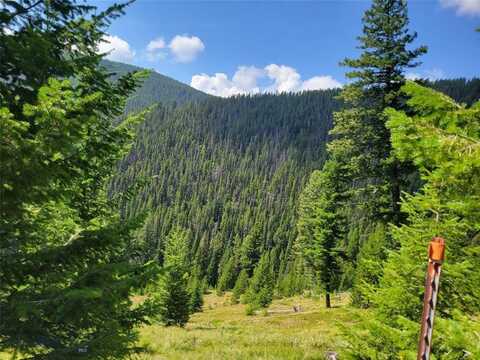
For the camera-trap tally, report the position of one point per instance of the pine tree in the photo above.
(321, 225)
(174, 297)
(360, 133)
(66, 268)
(228, 274)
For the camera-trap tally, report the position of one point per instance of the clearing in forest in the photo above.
(223, 331)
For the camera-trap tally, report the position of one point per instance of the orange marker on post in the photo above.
(436, 255)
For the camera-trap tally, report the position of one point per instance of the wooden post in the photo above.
(436, 254)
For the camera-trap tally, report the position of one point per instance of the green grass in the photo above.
(223, 331)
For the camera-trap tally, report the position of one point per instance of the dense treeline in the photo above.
(231, 171)
(228, 170)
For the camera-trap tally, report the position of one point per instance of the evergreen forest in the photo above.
(136, 210)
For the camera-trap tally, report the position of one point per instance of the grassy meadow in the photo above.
(224, 331)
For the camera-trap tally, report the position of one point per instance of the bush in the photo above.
(250, 310)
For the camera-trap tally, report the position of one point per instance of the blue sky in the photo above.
(229, 47)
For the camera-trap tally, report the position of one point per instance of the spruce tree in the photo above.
(321, 225)
(66, 271)
(369, 269)
(228, 273)
(360, 134)
(174, 297)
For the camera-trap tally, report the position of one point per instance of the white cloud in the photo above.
(285, 78)
(431, 74)
(281, 78)
(435, 74)
(116, 48)
(464, 7)
(246, 78)
(186, 48)
(156, 44)
(154, 49)
(320, 82)
(218, 84)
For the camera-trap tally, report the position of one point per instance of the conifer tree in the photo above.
(250, 251)
(360, 132)
(174, 297)
(227, 275)
(241, 286)
(321, 225)
(369, 268)
(260, 290)
(196, 295)
(443, 139)
(66, 270)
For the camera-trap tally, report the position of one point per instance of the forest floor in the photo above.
(224, 331)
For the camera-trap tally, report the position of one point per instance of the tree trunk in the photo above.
(327, 300)
(396, 192)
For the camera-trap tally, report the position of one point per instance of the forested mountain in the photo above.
(155, 88)
(230, 171)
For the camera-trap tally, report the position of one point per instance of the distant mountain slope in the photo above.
(461, 90)
(157, 88)
(230, 171)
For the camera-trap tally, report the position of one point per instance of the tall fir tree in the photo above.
(66, 274)
(321, 225)
(360, 137)
(360, 134)
(196, 291)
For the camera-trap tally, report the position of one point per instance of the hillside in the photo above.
(156, 88)
(230, 171)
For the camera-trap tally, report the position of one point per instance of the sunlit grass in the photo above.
(223, 331)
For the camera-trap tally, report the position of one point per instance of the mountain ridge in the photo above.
(155, 88)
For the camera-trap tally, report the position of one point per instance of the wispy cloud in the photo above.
(155, 49)
(463, 7)
(430, 74)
